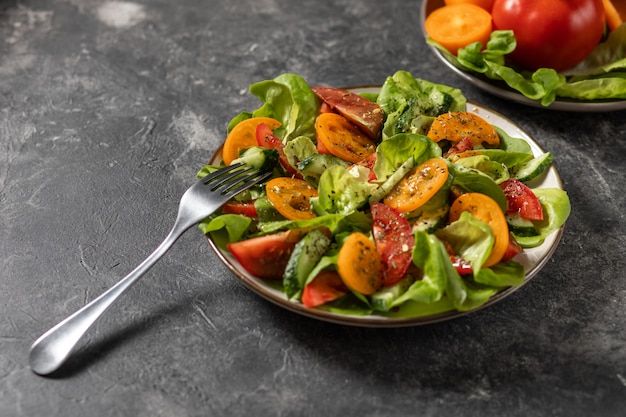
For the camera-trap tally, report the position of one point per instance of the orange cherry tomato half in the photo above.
(359, 264)
(613, 17)
(342, 138)
(290, 196)
(458, 125)
(418, 186)
(458, 25)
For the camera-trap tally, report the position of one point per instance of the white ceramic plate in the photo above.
(500, 89)
(532, 259)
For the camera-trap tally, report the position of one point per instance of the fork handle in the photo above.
(53, 348)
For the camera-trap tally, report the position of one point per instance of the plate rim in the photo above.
(278, 298)
(508, 93)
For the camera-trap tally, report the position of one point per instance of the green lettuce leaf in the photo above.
(298, 149)
(473, 180)
(467, 295)
(430, 255)
(470, 238)
(336, 223)
(411, 104)
(225, 228)
(495, 170)
(395, 151)
(502, 275)
(288, 99)
(339, 192)
(601, 87)
(511, 144)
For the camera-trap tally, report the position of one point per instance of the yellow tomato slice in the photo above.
(342, 138)
(290, 196)
(418, 185)
(457, 25)
(359, 264)
(454, 126)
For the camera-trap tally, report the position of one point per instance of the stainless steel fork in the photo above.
(203, 198)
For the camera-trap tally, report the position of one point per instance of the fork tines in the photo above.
(235, 178)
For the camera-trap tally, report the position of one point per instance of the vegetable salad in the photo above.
(384, 202)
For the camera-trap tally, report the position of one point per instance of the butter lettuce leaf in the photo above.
(430, 255)
(336, 223)
(288, 99)
(470, 238)
(411, 104)
(395, 151)
(225, 228)
(473, 180)
(339, 192)
(497, 171)
(502, 275)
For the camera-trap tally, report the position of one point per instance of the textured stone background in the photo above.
(107, 110)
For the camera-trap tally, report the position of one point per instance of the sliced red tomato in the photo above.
(325, 108)
(245, 208)
(327, 286)
(364, 113)
(521, 199)
(513, 249)
(265, 137)
(461, 146)
(394, 241)
(369, 163)
(266, 256)
(461, 265)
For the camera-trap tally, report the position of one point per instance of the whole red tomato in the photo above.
(554, 34)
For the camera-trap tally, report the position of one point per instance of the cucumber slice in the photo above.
(383, 299)
(258, 157)
(520, 226)
(429, 220)
(533, 168)
(312, 167)
(306, 254)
